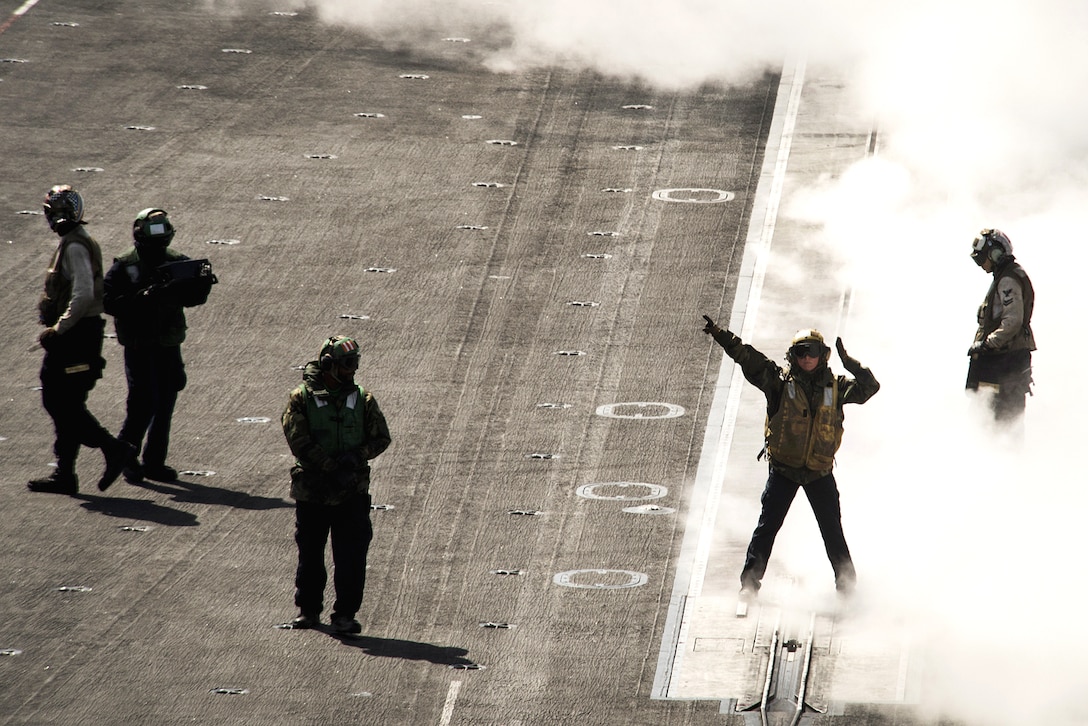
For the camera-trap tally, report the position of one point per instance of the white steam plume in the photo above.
(982, 118)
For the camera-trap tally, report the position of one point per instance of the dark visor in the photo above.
(812, 350)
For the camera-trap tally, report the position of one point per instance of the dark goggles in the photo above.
(980, 248)
(811, 350)
(348, 362)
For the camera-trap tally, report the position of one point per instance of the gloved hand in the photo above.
(48, 338)
(346, 480)
(979, 346)
(350, 460)
(46, 313)
(346, 477)
(725, 338)
(850, 364)
(153, 291)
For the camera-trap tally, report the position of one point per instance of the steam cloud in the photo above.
(981, 115)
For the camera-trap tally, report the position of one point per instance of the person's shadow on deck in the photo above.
(405, 649)
(137, 509)
(193, 492)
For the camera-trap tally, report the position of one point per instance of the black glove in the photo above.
(979, 346)
(347, 471)
(155, 291)
(48, 338)
(350, 460)
(47, 315)
(345, 480)
(151, 293)
(725, 338)
(850, 364)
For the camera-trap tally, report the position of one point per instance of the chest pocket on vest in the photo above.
(827, 432)
(797, 425)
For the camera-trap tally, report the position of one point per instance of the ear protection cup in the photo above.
(326, 360)
(992, 245)
(997, 251)
(339, 350)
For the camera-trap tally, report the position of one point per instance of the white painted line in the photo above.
(904, 669)
(19, 12)
(451, 699)
(25, 6)
(718, 438)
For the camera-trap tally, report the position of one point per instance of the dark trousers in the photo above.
(1009, 402)
(349, 525)
(155, 374)
(69, 371)
(823, 495)
(1011, 373)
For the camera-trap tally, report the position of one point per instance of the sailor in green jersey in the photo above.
(333, 427)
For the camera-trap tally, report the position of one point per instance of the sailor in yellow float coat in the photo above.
(804, 430)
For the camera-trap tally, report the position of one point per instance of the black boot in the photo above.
(56, 483)
(346, 624)
(119, 454)
(160, 472)
(133, 473)
(305, 621)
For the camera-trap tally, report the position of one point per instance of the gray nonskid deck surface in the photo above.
(529, 312)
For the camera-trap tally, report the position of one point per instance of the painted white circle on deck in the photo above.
(601, 579)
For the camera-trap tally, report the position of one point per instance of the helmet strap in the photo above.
(64, 226)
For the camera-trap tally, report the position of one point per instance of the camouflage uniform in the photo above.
(332, 435)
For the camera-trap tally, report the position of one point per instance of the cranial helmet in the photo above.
(341, 351)
(809, 341)
(62, 204)
(152, 228)
(991, 244)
